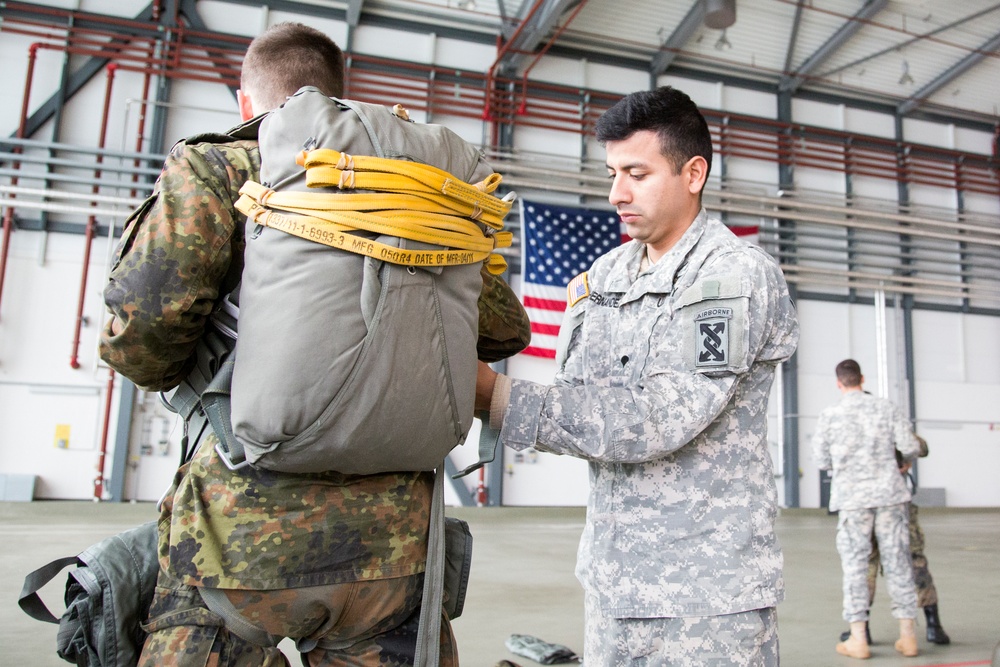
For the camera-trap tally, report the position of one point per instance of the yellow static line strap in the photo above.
(428, 202)
(329, 168)
(448, 231)
(338, 236)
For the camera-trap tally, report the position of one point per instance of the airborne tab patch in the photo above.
(577, 290)
(712, 330)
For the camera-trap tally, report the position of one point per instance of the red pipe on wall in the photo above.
(8, 218)
(99, 479)
(491, 72)
(74, 359)
(523, 106)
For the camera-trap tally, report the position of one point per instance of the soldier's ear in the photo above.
(245, 104)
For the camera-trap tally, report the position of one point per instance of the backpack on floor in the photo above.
(107, 597)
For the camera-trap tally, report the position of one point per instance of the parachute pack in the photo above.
(358, 315)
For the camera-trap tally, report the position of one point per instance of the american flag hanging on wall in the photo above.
(558, 242)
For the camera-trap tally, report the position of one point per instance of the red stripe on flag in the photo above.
(544, 304)
(547, 329)
(744, 230)
(539, 352)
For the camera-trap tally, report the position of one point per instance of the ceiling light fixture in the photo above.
(722, 43)
(720, 14)
(906, 78)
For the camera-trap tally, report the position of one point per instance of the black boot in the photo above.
(935, 633)
(844, 636)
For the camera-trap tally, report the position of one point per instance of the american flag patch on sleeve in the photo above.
(577, 290)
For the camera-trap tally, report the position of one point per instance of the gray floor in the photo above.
(522, 582)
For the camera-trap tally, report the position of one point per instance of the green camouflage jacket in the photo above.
(253, 529)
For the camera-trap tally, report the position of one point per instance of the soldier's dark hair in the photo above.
(675, 118)
(849, 373)
(286, 57)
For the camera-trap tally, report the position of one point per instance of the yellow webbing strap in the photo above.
(369, 201)
(330, 168)
(411, 201)
(441, 230)
(341, 236)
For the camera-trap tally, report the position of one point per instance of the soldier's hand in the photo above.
(484, 387)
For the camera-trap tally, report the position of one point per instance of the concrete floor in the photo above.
(522, 582)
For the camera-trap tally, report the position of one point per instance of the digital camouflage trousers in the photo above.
(890, 526)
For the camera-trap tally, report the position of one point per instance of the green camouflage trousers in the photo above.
(746, 639)
(926, 591)
(361, 624)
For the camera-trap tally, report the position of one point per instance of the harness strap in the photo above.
(215, 599)
(428, 652)
(488, 444)
(29, 600)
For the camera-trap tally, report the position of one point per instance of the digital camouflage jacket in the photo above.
(253, 529)
(663, 386)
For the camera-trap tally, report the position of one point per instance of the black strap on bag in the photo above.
(107, 597)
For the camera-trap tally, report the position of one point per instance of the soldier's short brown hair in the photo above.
(849, 373)
(286, 57)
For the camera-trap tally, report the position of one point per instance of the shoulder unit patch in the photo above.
(577, 290)
(712, 330)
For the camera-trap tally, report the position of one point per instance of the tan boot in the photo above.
(856, 646)
(907, 642)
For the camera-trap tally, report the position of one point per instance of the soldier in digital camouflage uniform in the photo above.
(857, 439)
(666, 358)
(321, 556)
(927, 597)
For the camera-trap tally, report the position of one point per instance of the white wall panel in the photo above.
(866, 122)
(956, 356)
(462, 55)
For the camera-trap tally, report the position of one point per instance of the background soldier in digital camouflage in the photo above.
(857, 439)
(927, 596)
(666, 358)
(292, 552)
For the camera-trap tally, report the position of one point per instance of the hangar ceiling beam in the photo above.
(949, 75)
(678, 38)
(791, 82)
(537, 21)
(793, 39)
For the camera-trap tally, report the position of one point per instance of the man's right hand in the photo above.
(484, 387)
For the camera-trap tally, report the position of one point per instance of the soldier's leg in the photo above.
(873, 562)
(873, 565)
(893, 532)
(854, 544)
(746, 639)
(184, 633)
(926, 590)
(379, 628)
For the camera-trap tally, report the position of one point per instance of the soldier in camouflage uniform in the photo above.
(333, 560)
(927, 597)
(666, 358)
(857, 439)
